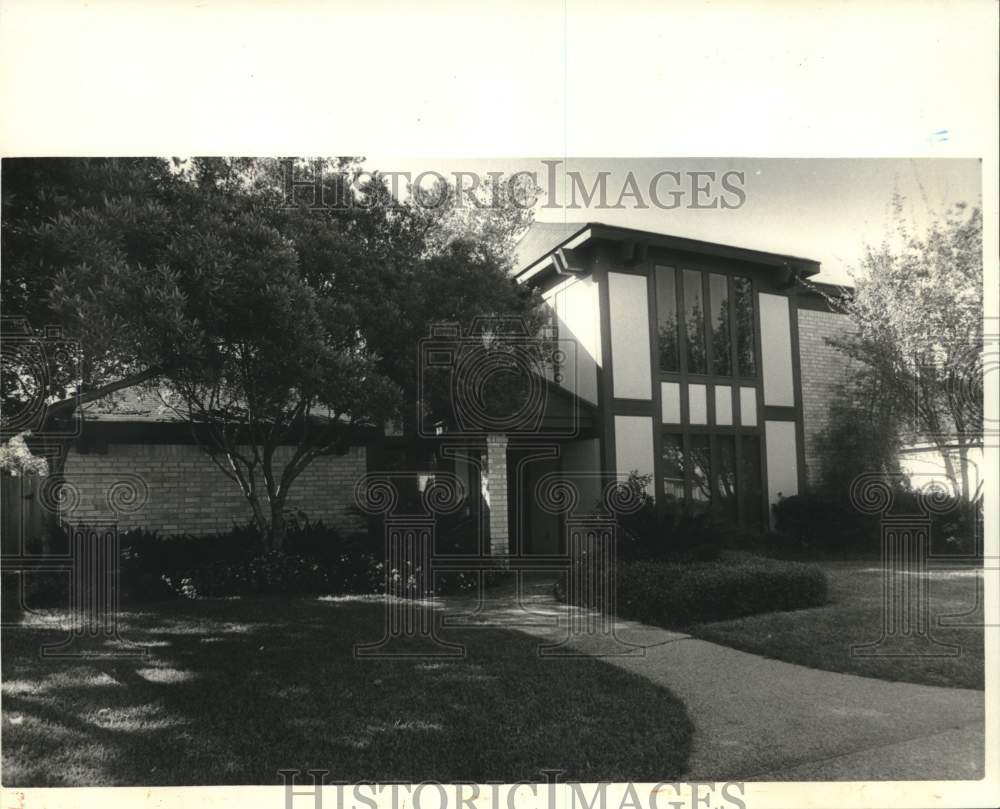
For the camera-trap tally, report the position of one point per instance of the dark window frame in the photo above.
(734, 381)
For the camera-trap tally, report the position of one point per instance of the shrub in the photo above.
(670, 594)
(318, 558)
(268, 574)
(234, 562)
(652, 533)
(147, 552)
(820, 524)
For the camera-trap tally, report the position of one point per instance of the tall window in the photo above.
(725, 478)
(666, 308)
(722, 348)
(700, 463)
(711, 453)
(694, 323)
(673, 470)
(744, 326)
(753, 486)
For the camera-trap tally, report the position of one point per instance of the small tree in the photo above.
(917, 308)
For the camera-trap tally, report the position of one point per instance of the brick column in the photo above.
(495, 493)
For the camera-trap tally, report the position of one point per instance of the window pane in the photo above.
(694, 323)
(748, 407)
(723, 405)
(628, 304)
(701, 480)
(634, 447)
(751, 483)
(697, 404)
(673, 472)
(744, 326)
(670, 400)
(776, 350)
(725, 478)
(722, 354)
(666, 308)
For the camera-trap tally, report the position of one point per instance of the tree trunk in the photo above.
(259, 519)
(949, 466)
(963, 461)
(278, 530)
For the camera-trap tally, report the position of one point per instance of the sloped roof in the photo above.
(148, 404)
(542, 238)
(151, 404)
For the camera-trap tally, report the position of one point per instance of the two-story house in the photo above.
(701, 365)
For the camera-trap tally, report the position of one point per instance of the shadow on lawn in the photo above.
(233, 691)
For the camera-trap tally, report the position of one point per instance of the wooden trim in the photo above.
(800, 451)
(776, 413)
(653, 306)
(606, 376)
(706, 251)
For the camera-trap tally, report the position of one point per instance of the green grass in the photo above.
(234, 690)
(822, 637)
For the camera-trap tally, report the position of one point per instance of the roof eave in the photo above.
(801, 267)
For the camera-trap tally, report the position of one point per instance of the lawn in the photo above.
(821, 637)
(234, 690)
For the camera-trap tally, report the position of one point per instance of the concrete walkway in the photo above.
(762, 719)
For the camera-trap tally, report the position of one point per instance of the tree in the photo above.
(917, 308)
(60, 215)
(280, 330)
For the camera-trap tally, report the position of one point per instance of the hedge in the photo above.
(669, 594)
(818, 523)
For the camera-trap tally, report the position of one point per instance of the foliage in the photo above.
(657, 533)
(271, 324)
(149, 552)
(271, 573)
(917, 308)
(17, 459)
(60, 217)
(672, 594)
(863, 435)
(821, 525)
(235, 562)
(318, 559)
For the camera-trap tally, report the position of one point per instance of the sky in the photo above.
(821, 209)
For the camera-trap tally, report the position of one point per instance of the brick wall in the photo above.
(495, 478)
(187, 493)
(823, 367)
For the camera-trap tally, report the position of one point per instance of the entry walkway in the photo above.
(762, 719)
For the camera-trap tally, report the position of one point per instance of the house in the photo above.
(702, 365)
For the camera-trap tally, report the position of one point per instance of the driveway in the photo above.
(762, 719)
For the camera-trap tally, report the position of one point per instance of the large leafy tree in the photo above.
(278, 330)
(917, 308)
(61, 216)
